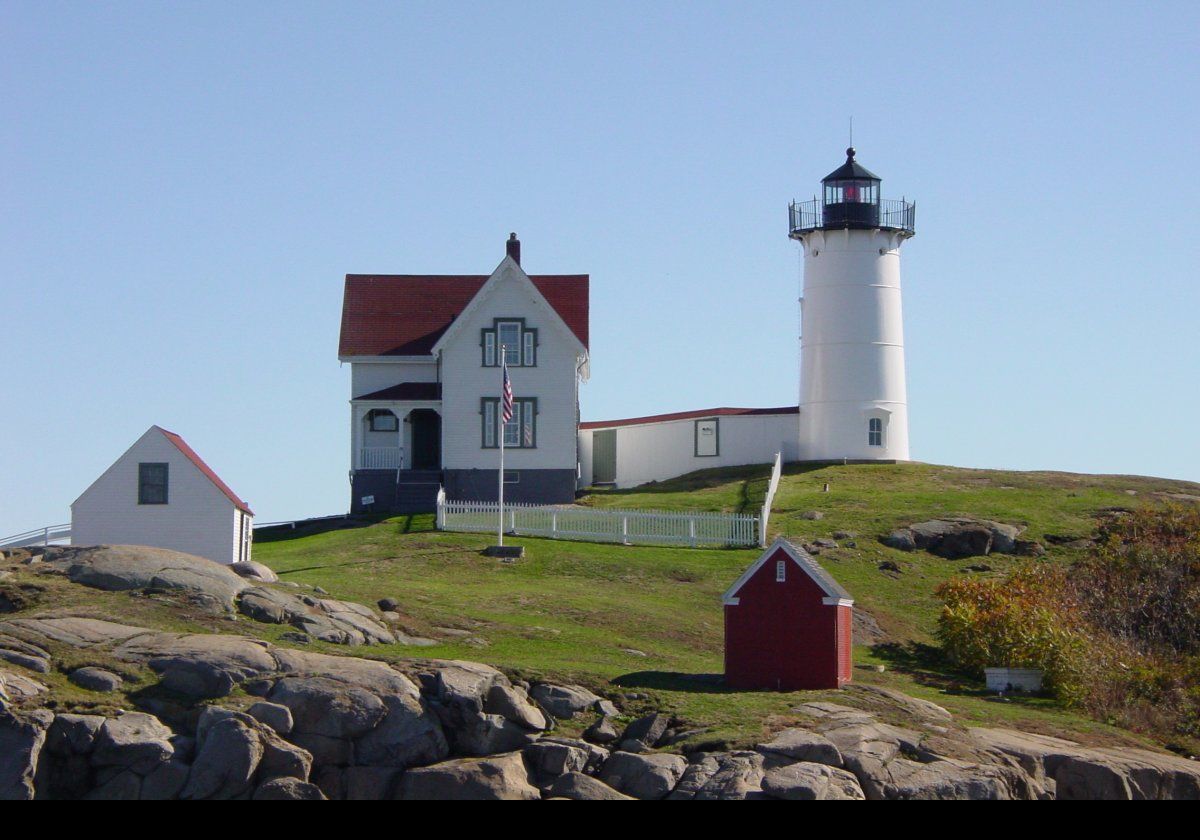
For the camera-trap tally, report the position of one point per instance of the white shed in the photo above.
(161, 493)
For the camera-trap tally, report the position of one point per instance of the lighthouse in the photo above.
(853, 401)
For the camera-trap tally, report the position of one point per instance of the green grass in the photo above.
(573, 611)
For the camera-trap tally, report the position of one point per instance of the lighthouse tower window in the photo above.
(875, 432)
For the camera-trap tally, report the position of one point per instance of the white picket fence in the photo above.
(772, 486)
(630, 527)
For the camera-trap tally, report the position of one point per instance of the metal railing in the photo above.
(891, 214)
(629, 527)
(772, 486)
(380, 457)
(46, 535)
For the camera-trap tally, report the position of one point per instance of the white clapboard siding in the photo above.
(552, 382)
(659, 450)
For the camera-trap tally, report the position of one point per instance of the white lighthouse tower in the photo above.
(853, 402)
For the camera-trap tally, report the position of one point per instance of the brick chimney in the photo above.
(513, 248)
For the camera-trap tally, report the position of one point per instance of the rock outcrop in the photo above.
(234, 717)
(957, 537)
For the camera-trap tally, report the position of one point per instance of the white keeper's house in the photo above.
(425, 382)
(160, 493)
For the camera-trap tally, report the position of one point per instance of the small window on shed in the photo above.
(780, 571)
(152, 484)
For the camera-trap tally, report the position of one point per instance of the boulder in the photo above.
(643, 776)
(73, 734)
(73, 631)
(16, 687)
(96, 679)
(166, 781)
(1076, 772)
(601, 732)
(891, 700)
(124, 786)
(275, 715)
(21, 738)
(513, 704)
(549, 758)
(124, 567)
(234, 751)
(328, 707)
(290, 789)
(575, 785)
(720, 776)
(200, 666)
(336, 622)
(467, 779)
(254, 571)
(135, 741)
(806, 780)
(563, 701)
(369, 784)
(793, 745)
(39, 664)
(644, 733)
(389, 605)
(956, 537)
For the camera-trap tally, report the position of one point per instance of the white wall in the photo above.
(852, 346)
(198, 518)
(369, 377)
(658, 451)
(465, 381)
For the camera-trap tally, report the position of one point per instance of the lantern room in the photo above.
(851, 200)
(851, 195)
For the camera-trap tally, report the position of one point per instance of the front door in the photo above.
(426, 439)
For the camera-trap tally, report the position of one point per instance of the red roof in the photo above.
(406, 314)
(687, 415)
(191, 455)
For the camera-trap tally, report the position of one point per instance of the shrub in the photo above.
(1023, 620)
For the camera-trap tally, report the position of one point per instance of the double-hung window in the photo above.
(519, 343)
(519, 433)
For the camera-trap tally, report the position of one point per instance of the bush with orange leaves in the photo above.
(1023, 620)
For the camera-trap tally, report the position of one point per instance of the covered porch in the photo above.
(396, 435)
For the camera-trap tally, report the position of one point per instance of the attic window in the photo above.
(152, 483)
(519, 343)
(780, 571)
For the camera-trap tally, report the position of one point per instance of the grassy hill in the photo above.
(648, 620)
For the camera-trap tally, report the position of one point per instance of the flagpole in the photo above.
(500, 432)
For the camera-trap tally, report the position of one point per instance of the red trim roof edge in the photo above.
(191, 455)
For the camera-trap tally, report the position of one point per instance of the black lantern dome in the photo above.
(851, 200)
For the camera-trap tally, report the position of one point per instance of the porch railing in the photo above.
(630, 527)
(380, 457)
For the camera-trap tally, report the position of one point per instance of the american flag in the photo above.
(506, 402)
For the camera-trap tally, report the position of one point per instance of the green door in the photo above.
(604, 456)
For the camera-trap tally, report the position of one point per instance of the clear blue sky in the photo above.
(185, 185)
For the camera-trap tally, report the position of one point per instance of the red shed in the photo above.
(787, 624)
